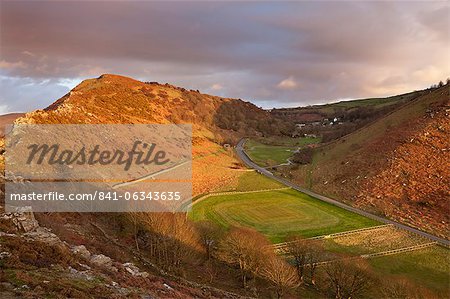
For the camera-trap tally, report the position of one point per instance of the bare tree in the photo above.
(297, 247)
(282, 275)
(347, 278)
(170, 239)
(209, 234)
(396, 289)
(314, 255)
(244, 248)
(402, 288)
(134, 219)
(306, 254)
(303, 156)
(210, 270)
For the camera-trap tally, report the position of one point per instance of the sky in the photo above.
(274, 54)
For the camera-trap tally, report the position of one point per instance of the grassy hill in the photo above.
(338, 109)
(114, 99)
(374, 102)
(118, 99)
(395, 166)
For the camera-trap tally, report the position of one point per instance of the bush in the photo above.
(304, 156)
(34, 253)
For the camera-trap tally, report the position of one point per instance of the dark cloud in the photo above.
(438, 20)
(275, 54)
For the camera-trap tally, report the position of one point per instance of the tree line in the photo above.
(176, 244)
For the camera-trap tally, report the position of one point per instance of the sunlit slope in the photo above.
(397, 166)
(114, 99)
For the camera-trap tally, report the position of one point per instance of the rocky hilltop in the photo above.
(117, 99)
(114, 99)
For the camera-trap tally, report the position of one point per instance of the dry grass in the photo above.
(395, 166)
(383, 239)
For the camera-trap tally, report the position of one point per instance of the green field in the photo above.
(277, 214)
(251, 181)
(268, 155)
(274, 151)
(287, 141)
(280, 213)
(428, 267)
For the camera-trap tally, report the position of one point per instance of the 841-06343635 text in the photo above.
(98, 196)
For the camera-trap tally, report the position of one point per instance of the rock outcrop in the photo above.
(23, 219)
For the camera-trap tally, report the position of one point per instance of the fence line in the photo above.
(335, 235)
(378, 254)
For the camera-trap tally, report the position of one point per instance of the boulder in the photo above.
(43, 234)
(103, 261)
(4, 255)
(82, 251)
(135, 271)
(85, 275)
(23, 219)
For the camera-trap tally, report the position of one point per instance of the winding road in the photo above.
(246, 159)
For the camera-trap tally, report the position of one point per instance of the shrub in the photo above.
(304, 156)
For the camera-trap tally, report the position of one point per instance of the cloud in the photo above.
(438, 21)
(3, 109)
(93, 71)
(429, 72)
(216, 86)
(288, 83)
(11, 65)
(335, 50)
(28, 53)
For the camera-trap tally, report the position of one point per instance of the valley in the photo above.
(271, 152)
(224, 149)
(274, 192)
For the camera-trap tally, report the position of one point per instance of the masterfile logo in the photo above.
(141, 153)
(99, 168)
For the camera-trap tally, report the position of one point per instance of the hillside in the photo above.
(334, 120)
(396, 166)
(338, 109)
(8, 119)
(113, 99)
(118, 99)
(110, 263)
